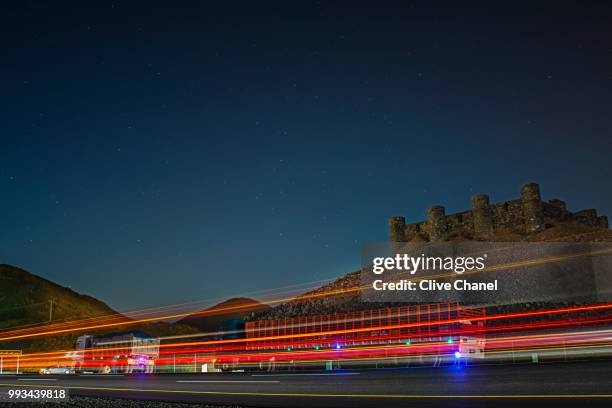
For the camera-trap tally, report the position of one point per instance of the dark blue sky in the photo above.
(160, 153)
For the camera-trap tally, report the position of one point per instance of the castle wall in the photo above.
(525, 214)
(508, 215)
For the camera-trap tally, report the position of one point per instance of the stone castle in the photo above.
(527, 214)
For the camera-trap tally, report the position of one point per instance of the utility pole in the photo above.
(51, 309)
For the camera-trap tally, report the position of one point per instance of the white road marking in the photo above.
(101, 375)
(225, 381)
(303, 374)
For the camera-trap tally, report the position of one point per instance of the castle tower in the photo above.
(437, 222)
(483, 219)
(397, 228)
(532, 207)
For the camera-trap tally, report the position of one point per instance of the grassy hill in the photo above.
(25, 301)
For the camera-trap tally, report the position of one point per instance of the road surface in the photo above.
(558, 384)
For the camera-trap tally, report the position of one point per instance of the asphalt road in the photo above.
(559, 384)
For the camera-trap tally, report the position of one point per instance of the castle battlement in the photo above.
(525, 214)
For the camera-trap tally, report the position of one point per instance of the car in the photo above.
(57, 369)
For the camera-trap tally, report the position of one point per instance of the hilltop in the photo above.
(527, 219)
(343, 294)
(209, 320)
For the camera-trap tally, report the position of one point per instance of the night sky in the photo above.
(160, 152)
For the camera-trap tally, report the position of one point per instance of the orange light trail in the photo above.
(32, 357)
